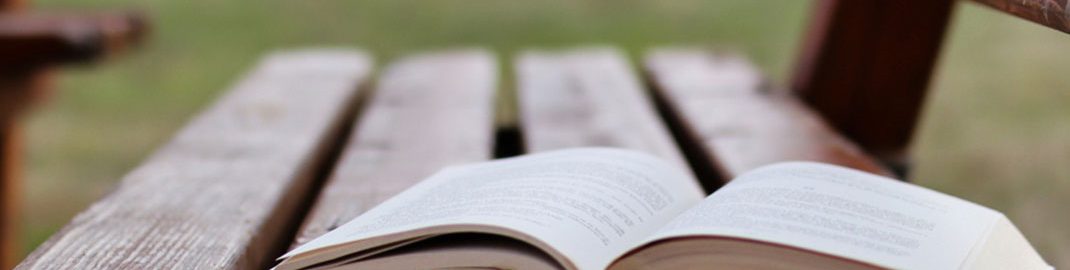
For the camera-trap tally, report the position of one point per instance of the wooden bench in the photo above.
(302, 144)
(306, 141)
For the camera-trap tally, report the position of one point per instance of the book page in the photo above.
(841, 212)
(590, 204)
(1006, 248)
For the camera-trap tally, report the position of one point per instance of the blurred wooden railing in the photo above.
(30, 40)
(31, 45)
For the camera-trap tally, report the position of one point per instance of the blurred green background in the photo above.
(996, 130)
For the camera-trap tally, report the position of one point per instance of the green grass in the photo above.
(997, 129)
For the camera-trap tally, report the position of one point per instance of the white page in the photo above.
(591, 204)
(842, 212)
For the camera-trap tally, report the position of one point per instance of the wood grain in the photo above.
(1051, 13)
(717, 105)
(222, 193)
(428, 111)
(866, 65)
(587, 97)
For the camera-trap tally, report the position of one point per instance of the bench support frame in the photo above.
(866, 65)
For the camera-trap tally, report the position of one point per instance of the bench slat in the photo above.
(224, 191)
(587, 97)
(428, 111)
(717, 104)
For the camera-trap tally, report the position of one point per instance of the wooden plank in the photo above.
(1054, 14)
(223, 193)
(587, 97)
(718, 106)
(866, 66)
(429, 111)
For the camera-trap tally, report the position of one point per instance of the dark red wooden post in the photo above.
(9, 191)
(866, 64)
(9, 160)
(9, 5)
(31, 45)
(18, 91)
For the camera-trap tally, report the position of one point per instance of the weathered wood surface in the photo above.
(1051, 13)
(587, 97)
(428, 111)
(718, 105)
(226, 190)
(29, 39)
(866, 65)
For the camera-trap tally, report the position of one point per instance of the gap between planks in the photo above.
(428, 111)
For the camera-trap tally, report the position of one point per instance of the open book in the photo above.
(601, 208)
